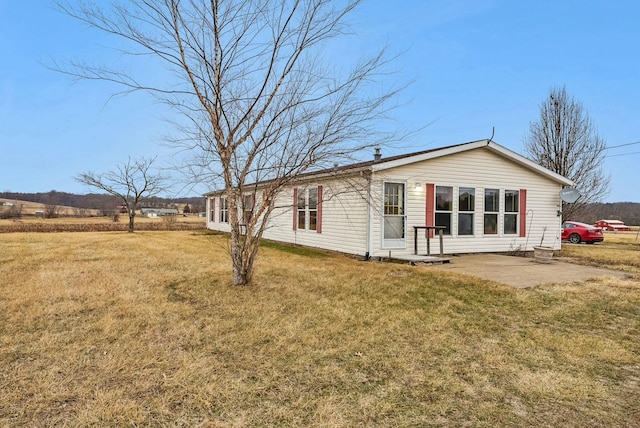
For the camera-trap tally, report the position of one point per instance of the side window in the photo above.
(511, 208)
(444, 207)
(212, 207)
(466, 208)
(313, 208)
(302, 209)
(224, 210)
(247, 208)
(491, 210)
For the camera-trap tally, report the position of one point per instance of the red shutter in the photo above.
(319, 213)
(295, 209)
(523, 213)
(431, 213)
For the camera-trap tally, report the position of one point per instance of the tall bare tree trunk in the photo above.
(260, 100)
(242, 259)
(131, 219)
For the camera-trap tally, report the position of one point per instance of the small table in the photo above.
(428, 229)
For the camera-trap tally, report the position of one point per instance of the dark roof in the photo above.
(358, 165)
(369, 163)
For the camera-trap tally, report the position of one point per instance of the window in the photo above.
(491, 209)
(313, 208)
(444, 207)
(394, 211)
(247, 208)
(212, 206)
(466, 207)
(224, 210)
(511, 207)
(308, 209)
(302, 209)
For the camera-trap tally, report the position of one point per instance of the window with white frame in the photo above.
(394, 211)
(212, 208)
(444, 208)
(466, 208)
(224, 210)
(247, 208)
(511, 208)
(307, 209)
(302, 209)
(312, 205)
(491, 211)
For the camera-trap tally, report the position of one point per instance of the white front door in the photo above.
(394, 218)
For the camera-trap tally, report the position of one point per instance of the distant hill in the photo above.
(16, 208)
(103, 202)
(628, 212)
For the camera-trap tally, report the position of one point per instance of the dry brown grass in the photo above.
(100, 224)
(29, 208)
(143, 329)
(620, 250)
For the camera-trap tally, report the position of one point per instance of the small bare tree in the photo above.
(130, 182)
(260, 101)
(52, 210)
(565, 141)
(11, 210)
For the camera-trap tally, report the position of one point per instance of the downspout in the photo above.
(369, 219)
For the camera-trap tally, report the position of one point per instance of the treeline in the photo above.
(628, 212)
(103, 202)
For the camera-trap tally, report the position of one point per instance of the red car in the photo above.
(576, 233)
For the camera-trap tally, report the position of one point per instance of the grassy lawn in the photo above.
(620, 250)
(118, 329)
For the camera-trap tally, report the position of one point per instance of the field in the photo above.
(100, 224)
(28, 208)
(144, 329)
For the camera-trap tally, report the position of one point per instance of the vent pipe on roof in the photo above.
(377, 155)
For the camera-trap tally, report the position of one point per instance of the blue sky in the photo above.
(475, 65)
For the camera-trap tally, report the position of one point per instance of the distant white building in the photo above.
(158, 212)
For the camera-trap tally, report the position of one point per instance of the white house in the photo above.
(484, 196)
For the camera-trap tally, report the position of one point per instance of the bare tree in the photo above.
(565, 141)
(258, 101)
(130, 182)
(10, 210)
(52, 210)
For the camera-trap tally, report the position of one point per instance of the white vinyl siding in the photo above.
(480, 169)
(351, 225)
(344, 217)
